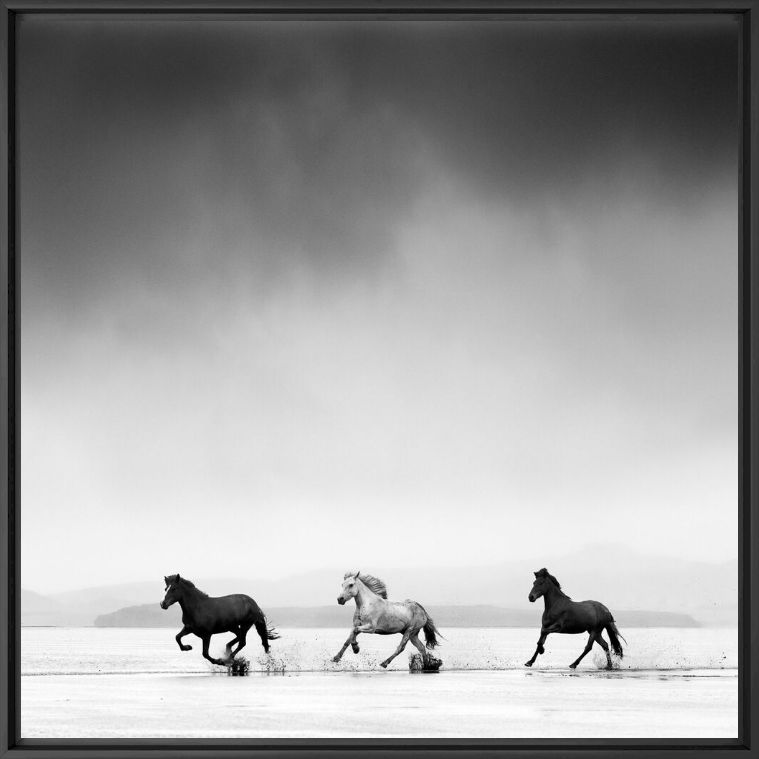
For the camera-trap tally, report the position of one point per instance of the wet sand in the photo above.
(454, 704)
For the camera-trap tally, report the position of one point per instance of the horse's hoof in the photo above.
(573, 666)
(355, 648)
(336, 659)
(383, 665)
(186, 648)
(528, 664)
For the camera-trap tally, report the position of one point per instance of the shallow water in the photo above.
(93, 650)
(113, 682)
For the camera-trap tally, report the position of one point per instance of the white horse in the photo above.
(375, 614)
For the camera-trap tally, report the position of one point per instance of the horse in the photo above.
(375, 614)
(205, 616)
(563, 615)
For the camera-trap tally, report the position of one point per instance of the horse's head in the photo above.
(350, 588)
(541, 584)
(173, 591)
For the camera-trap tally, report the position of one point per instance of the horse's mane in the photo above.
(186, 583)
(545, 573)
(373, 583)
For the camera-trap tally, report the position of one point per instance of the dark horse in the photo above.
(205, 616)
(563, 615)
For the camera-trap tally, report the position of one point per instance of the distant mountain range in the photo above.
(613, 574)
(151, 615)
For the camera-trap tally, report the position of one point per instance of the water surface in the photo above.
(119, 682)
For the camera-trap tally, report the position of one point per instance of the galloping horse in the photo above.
(563, 615)
(375, 614)
(204, 616)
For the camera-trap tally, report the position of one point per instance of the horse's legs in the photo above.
(401, 646)
(414, 638)
(231, 643)
(206, 655)
(351, 640)
(241, 640)
(538, 650)
(339, 654)
(588, 646)
(601, 642)
(365, 628)
(184, 631)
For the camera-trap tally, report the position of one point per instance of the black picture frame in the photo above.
(748, 474)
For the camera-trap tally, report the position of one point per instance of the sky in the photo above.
(387, 292)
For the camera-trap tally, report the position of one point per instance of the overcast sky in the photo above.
(374, 294)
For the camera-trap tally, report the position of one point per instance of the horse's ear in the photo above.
(536, 573)
(357, 574)
(178, 577)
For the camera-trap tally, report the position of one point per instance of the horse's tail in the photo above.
(266, 630)
(430, 631)
(614, 636)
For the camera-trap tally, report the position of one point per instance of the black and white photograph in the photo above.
(379, 375)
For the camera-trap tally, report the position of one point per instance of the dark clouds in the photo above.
(274, 141)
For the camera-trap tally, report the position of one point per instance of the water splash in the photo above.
(114, 650)
(272, 664)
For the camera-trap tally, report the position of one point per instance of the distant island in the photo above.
(151, 615)
(491, 595)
